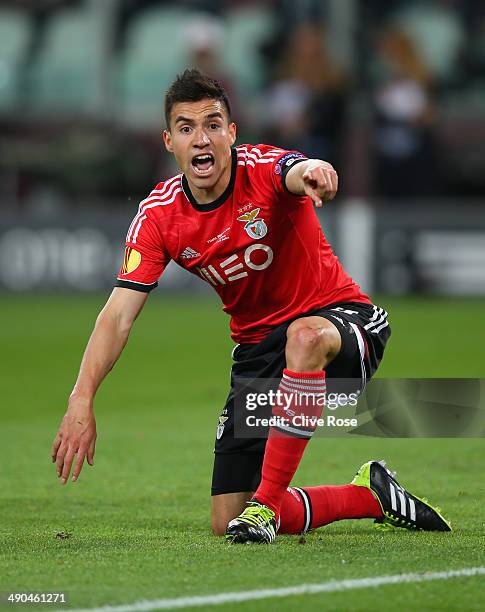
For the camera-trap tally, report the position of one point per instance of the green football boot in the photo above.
(399, 507)
(256, 524)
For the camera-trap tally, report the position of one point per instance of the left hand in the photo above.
(75, 440)
(320, 182)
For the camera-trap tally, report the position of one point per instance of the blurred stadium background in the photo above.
(392, 92)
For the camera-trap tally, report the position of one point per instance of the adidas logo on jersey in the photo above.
(189, 253)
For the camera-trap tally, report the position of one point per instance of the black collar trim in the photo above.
(222, 198)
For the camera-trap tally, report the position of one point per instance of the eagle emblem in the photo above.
(255, 227)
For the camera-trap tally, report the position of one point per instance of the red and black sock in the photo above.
(311, 507)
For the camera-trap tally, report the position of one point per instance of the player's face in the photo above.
(201, 137)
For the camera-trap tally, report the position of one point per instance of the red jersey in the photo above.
(260, 247)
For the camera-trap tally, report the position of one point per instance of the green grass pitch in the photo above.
(139, 520)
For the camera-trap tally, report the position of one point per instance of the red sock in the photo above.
(312, 507)
(305, 392)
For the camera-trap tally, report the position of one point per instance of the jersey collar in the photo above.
(222, 198)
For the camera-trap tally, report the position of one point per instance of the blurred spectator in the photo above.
(436, 28)
(205, 37)
(205, 40)
(306, 104)
(403, 131)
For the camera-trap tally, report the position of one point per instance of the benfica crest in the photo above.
(255, 228)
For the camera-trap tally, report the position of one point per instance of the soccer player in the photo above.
(242, 218)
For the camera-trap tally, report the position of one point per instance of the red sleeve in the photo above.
(145, 256)
(268, 166)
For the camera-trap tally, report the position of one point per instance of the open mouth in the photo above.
(203, 164)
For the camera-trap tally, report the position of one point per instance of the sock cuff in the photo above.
(305, 383)
(307, 506)
(304, 375)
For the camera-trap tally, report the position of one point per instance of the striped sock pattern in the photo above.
(299, 404)
(300, 401)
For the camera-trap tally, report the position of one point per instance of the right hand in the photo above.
(320, 182)
(76, 437)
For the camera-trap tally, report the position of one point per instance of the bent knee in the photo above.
(303, 339)
(307, 335)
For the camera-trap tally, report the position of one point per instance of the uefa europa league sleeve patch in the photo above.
(131, 260)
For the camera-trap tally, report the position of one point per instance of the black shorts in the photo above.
(364, 331)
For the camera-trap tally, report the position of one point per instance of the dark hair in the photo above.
(192, 86)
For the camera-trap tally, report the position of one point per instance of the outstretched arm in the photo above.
(77, 432)
(314, 178)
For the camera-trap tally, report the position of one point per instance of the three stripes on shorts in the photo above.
(377, 322)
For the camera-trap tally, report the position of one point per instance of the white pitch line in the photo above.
(303, 589)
